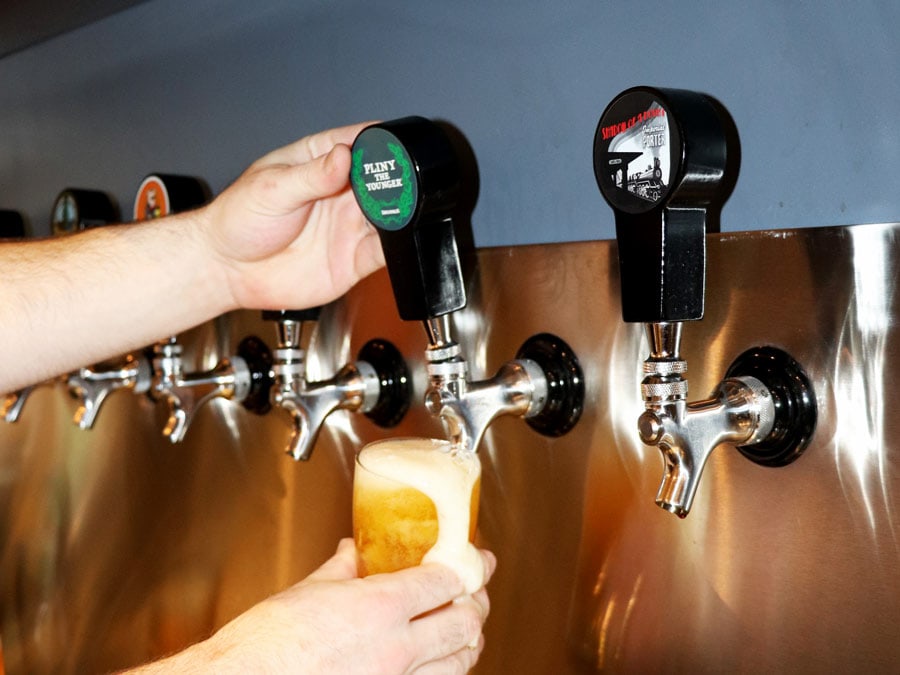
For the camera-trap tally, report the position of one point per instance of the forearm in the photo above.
(196, 659)
(72, 301)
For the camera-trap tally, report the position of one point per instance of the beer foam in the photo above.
(447, 479)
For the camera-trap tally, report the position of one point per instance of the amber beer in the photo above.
(415, 500)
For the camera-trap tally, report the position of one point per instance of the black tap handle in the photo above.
(164, 194)
(77, 209)
(666, 160)
(12, 224)
(405, 176)
(310, 314)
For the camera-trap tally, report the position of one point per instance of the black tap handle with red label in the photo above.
(162, 195)
(406, 178)
(666, 160)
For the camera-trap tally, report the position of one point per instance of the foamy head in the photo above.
(447, 478)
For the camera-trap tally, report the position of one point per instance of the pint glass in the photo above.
(416, 500)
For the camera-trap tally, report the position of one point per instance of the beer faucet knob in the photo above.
(666, 160)
(405, 176)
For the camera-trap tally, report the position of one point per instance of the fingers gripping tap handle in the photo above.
(405, 177)
(666, 160)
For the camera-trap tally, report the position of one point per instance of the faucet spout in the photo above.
(303, 432)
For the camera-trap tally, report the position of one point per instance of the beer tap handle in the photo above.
(405, 177)
(12, 224)
(78, 209)
(689, 145)
(666, 160)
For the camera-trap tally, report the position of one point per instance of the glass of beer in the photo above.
(416, 500)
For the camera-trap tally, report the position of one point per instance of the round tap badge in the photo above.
(65, 217)
(382, 178)
(78, 209)
(152, 200)
(635, 148)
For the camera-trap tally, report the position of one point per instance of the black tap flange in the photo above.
(565, 383)
(259, 361)
(395, 381)
(795, 404)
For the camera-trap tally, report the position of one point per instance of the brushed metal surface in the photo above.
(116, 546)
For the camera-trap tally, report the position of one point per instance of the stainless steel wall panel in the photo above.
(116, 546)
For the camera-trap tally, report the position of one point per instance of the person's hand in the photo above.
(335, 622)
(288, 233)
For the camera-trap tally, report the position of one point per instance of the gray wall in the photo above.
(204, 87)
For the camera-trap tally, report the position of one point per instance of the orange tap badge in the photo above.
(152, 200)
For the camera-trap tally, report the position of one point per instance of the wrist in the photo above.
(213, 270)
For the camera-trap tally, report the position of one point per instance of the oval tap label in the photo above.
(383, 180)
(633, 152)
(152, 200)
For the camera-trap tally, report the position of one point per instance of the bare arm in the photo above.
(286, 234)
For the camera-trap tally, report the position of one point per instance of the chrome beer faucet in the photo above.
(377, 384)
(521, 387)
(765, 405)
(406, 178)
(243, 378)
(14, 402)
(92, 384)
